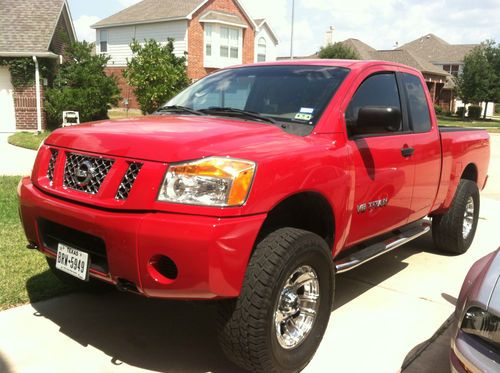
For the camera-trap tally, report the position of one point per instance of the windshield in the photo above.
(290, 95)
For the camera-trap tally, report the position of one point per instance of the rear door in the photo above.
(384, 174)
(426, 145)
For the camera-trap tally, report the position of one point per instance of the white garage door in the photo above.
(7, 113)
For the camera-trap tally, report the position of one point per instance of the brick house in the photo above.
(38, 30)
(211, 33)
(438, 61)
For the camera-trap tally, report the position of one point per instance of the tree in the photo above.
(156, 73)
(480, 79)
(340, 51)
(81, 85)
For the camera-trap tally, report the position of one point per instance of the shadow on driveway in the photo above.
(177, 336)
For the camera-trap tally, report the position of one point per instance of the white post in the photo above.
(291, 34)
(37, 89)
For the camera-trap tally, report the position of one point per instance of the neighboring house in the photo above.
(211, 33)
(450, 58)
(38, 30)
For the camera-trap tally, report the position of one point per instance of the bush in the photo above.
(338, 50)
(461, 111)
(497, 108)
(81, 85)
(438, 109)
(156, 73)
(475, 111)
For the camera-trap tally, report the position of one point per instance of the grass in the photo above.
(117, 113)
(24, 273)
(28, 140)
(492, 125)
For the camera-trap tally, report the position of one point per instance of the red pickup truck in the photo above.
(255, 186)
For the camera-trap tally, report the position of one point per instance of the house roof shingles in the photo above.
(149, 11)
(407, 58)
(364, 50)
(27, 27)
(436, 50)
(218, 16)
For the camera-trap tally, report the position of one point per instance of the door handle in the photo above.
(407, 151)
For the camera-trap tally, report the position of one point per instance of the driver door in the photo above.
(383, 166)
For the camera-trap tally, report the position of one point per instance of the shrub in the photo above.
(475, 111)
(338, 50)
(461, 111)
(497, 108)
(81, 85)
(438, 109)
(156, 73)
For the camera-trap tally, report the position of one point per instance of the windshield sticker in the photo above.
(301, 116)
(306, 110)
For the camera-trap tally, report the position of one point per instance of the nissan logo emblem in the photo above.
(83, 173)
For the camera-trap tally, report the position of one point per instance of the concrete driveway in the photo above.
(15, 160)
(385, 313)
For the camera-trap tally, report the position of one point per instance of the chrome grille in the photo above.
(85, 173)
(128, 181)
(52, 164)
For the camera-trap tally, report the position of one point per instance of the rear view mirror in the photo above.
(376, 119)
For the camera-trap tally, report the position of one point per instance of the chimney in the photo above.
(329, 36)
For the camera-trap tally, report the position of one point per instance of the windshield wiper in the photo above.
(178, 109)
(219, 110)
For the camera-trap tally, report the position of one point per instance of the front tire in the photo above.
(454, 231)
(278, 321)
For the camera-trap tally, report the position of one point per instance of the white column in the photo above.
(38, 104)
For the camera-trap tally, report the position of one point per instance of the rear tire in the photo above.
(454, 231)
(92, 285)
(289, 284)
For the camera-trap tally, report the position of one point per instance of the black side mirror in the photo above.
(376, 119)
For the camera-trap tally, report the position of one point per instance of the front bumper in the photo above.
(468, 355)
(211, 253)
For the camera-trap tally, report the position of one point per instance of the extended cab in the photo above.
(255, 186)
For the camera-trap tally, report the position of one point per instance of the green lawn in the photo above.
(24, 273)
(492, 125)
(28, 140)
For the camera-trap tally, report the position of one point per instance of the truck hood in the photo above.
(172, 138)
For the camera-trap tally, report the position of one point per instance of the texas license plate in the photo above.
(72, 261)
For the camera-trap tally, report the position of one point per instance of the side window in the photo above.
(378, 94)
(103, 37)
(418, 109)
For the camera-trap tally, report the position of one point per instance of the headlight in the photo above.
(213, 181)
(482, 324)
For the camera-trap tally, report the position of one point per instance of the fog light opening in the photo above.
(163, 269)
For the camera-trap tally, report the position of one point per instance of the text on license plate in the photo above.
(72, 261)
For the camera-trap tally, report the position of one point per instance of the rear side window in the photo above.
(380, 90)
(420, 120)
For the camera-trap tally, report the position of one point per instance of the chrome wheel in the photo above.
(468, 218)
(297, 307)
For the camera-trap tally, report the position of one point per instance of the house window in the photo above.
(208, 40)
(229, 42)
(261, 50)
(103, 38)
(452, 69)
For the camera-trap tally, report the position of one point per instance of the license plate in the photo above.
(72, 261)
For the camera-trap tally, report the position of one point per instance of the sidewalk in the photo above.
(13, 159)
(384, 311)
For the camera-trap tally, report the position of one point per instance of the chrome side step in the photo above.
(383, 247)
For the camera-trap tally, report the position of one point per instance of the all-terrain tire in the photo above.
(448, 229)
(246, 325)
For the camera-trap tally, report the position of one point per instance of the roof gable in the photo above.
(27, 27)
(436, 50)
(262, 22)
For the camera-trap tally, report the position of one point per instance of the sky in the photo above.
(379, 23)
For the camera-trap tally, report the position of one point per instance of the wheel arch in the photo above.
(470, 173)
(308, 210)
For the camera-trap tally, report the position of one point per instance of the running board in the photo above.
(379, 248)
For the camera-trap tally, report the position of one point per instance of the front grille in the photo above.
(85, 173)
(52, 164)
(52, 234)
(128, 181)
